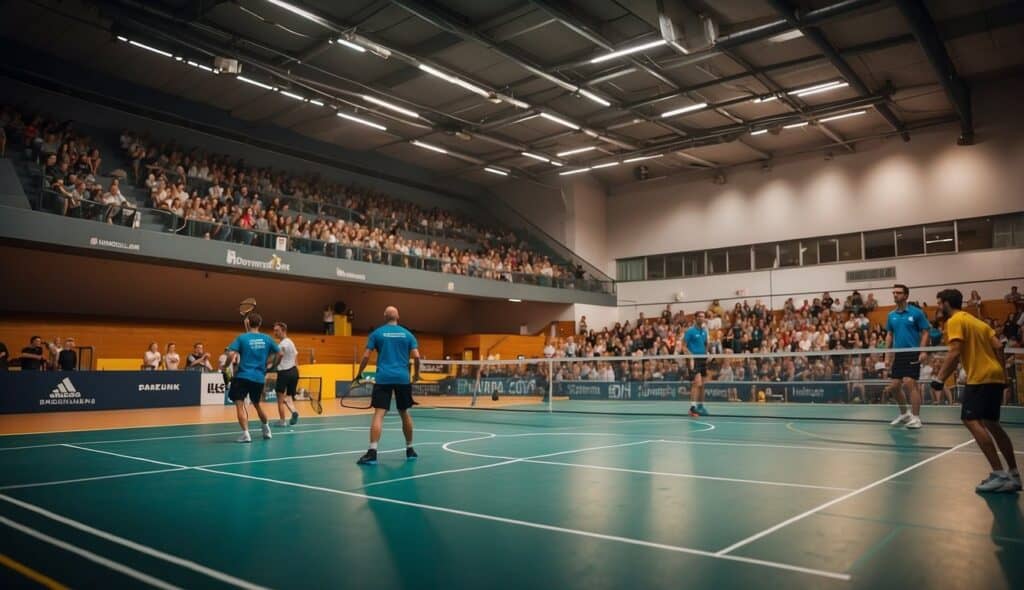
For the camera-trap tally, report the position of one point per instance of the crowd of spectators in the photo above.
(59, 354)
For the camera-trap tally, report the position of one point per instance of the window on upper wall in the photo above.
(656, 267)
(828, 250)
(693, 264)
(673, 266)
(717, 261)
(630, 269)
(939, 238)
(849, 247)
(975, 234)
(739, 258)
(789, 253)
(879, 244)
(809, 252)
(1008, 231)
(910, 240)
(765, 256)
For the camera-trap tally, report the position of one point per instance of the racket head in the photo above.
(247, 306)
(359, 396)
(313, 397)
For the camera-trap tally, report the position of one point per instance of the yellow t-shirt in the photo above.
(976, 354)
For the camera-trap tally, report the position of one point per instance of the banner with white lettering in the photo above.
(56, 391)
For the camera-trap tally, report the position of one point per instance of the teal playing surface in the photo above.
(512, 500)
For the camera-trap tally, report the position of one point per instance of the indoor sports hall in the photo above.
(511, 294)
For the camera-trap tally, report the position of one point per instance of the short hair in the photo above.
(953, 297)
(902, 287)
(283, 325)
(34, 337)
(198, 344)
(255, 319)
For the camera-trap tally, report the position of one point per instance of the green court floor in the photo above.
(511, 500)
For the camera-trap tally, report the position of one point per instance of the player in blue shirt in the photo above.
(695, 341)
(394, 345)
(252, 351)
(906, 327)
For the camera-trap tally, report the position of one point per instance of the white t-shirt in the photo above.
(288, 354)
(171, 361)
(151, 360)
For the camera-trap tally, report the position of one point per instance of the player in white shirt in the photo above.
(287, 375)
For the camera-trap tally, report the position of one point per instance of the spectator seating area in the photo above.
(134, 179)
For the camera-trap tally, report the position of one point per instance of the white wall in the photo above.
(585, 221)
(541, 205)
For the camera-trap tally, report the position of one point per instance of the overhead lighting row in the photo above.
(822, 120)
(609, 164)
(808, 91)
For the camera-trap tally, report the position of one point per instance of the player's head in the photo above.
(35, 341)
(253, 321)
(700, 316)
(900, 293)
(950, 300)
(391, 314)
(280, 329)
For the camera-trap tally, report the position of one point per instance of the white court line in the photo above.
(796, 447)
(117, 567)
(317, 456)
(830, 503)
(122, 456)
(84, 479)
(547, 527)
(179, 561)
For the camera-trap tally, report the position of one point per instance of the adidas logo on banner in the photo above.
(65, 394)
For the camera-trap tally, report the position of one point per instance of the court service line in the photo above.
(835, 501)
(546, 527)
(117, 567)
(36, 576)
(179, 561)
(781, 446)
(154, 461)
(499, 464)
(84, 479)
(296, 457)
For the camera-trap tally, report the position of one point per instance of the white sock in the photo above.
(373, 446)
(408, 444)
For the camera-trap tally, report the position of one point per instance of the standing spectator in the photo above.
(1011, 331)
(715, 309)
(171, 357)
(974, 303)
(3, 352)
(32, 355)
(583, 325)
(871, 304)
(198, 359)
(65, 357)
(151, 358)
(1013, 296)
(329, 320)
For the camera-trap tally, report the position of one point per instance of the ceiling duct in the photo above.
(684, 29)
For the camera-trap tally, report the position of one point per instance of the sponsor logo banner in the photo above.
(53, 391)
(352, 276)
(105, 243)
(275, 262)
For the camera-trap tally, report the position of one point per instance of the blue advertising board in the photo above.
(46, 391)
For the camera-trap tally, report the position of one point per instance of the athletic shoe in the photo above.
(410, 454)
(995, 482)
(914, 423)
(901, 419)
(244, 438)
(370, 458)
(295, 418)
(280, 424)
(702, 411)
(266, 432)
(1014, 485)
(693, 412)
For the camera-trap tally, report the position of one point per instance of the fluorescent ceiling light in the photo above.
(295, 96)
(535, 156)
(430, 147)
(627, 51)
(576, 151)
(351, 45)
(515, 300)
(454, 80)
(559, 120)
(555, 163)
(576, 171)
(639, 158)
(765, 99)
(254, 82)
(938, 240)
(595, 98)
(316, 102)
(686, 109)
(120, 38)
(843, 116)
(148, 48)
(496, 171)
(787, 36)
(388, 105)
(759, 132)
(362, 121)
(301, 12)
(795, 125)
(605, 165)
(819, 88)
(516, 102)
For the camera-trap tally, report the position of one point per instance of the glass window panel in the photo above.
(809, 252)
(656, 267)
(939, 238)
(739, 258)
(879, 244)
(849, 247)
(828, 250)
(910, 240)
(716, 261)
(1018, 229)
(631, 269)
(1002, 230)
(789, 253)
(975, 234)
(673, 265)
(764, 256)
(694, 264)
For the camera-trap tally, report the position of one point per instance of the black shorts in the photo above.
(242, 388)
(287, 381)
(382, 393)
(700, 367)
(982, 401)
(906, 364)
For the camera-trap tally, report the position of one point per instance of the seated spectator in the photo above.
(715, 308)
(31, 357)
(1013, 296)
(171, 358)
(974, 302)
(198, 359)
(870, 304)
(151, 358)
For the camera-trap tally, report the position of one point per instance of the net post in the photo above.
(551, 386)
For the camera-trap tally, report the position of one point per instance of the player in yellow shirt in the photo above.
(976, 346)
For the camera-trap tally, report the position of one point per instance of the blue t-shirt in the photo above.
(696, 340)
(393, 344)
(906, 326)
(253, 348)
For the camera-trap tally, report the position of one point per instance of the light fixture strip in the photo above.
(535, 156)
(595, 98)
(430, 147)
(454, 80)
(576, 171)
(362, 121)
(820, 89)
(759, 132)
(795, 125)
(605, 165)
(640, 158)
(148, 48)
(687, 109)
(295, 96)
(496, 171)
(576, 151)
(627, 51)
(351, 45)
(560, 121)
(255, 83)
(388, 105)
(842, 116)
